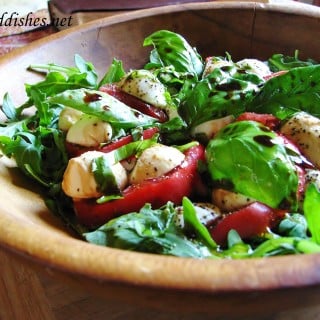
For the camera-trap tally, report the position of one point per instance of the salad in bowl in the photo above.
(189, 156)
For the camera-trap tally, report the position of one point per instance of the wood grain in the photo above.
(21, 293)
(27, 294)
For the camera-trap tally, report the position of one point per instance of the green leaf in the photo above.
(285, 245)
(88, 69)
(44, 112)
(294, 225)
(150, 230)
(278, 62)
(311, 208)
(114, 73)
(103, 106)
(225, 91)
(39, 154)
(296, 90)
(8, 108)
(247, 157)
(104, 176)
(191, 221)
(172, 49)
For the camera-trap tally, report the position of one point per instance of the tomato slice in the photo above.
(135, 102)
(266, 119)
(74, 150)
(171, 187)
(250, 221)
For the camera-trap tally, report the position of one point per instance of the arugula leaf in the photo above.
(39, 154)
(172, 49)
(83, 74)
(103, 106)
(296, 90)
(237, 249)
(278, 62)
(294, 225)
(191, 221)
(149, 230)
(285, 245)
(113, 74)
(9, 108)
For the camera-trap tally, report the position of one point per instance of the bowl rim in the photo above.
(140, 269)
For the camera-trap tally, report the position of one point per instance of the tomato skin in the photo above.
(134, 102)
(170, 187)
(76, 150)
(266, 119)
(250, 221)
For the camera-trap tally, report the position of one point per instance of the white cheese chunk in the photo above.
(211, 127)
(213, 63)
(155, 162)
(303, 129)
(68, 117)
(207, 213)
(255, 66)
(313, 176)
(89, 131)
(229, 201)
(78, 180)
(145, 86)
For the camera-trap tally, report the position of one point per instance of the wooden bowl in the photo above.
(223, 287)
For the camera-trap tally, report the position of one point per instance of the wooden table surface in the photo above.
(26, 294)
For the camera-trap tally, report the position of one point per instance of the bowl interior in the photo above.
(242, 29)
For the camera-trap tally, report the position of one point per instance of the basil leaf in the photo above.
(104, 176)
(296, 90)
(172, 49)
(103, 106)
(225, 91)
(247, 158)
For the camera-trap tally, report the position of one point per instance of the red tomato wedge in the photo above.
(266, 119)
(170, 187)
(250, 221)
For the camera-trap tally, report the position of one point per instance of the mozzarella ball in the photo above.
(89, 131)
(78, 179)
(155, 162)
(68, 117)
(213, 63)
(229, 201)
(207, 213)
(211, 127)
(255, 66)
(304, 130)
(145, 86)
